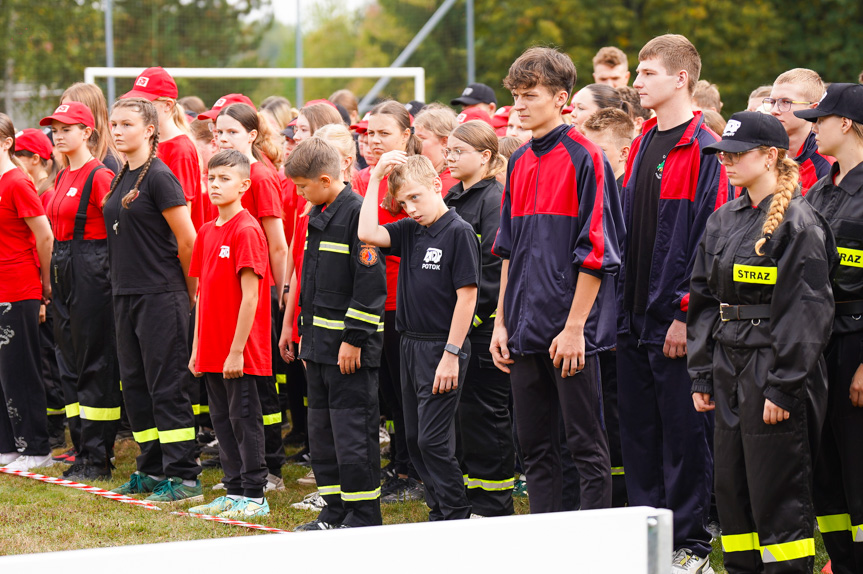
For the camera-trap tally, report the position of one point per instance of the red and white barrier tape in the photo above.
(134, 501)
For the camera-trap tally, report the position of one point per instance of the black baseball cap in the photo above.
(475, 94)
(845, 100)
(414, 107)
(748, 130)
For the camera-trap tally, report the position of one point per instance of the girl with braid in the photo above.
(760, 314)
(150, 241)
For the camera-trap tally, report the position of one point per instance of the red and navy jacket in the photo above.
(813, 165)
(560, 215)
(693, 186)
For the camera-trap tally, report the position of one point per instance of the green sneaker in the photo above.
(245, 509)
(520, 489)
(221, 504)
(138, 483)
(173, 490)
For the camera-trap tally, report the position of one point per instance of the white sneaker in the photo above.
(7, 457)
(683, 561)
(309, 479)
(383, 435)
(219, 486)
(313, 501)
(274, 483)
(476, 516)
(27, 462)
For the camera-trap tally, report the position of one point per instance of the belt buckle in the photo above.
(722, 308)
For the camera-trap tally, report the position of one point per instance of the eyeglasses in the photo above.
(730, 157)
(455, 154)
(783, 103)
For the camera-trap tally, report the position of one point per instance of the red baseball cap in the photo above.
(469, 114)
(71, 113)
(225, 101)
(362, 126)
(501, 117)
(34, 141)
(153, 83)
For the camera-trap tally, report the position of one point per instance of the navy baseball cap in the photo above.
(475, 94)
(749, 130)
(845, 100)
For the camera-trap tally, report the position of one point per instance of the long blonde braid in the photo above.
(788, 177)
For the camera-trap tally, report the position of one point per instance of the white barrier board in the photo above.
(633, 540)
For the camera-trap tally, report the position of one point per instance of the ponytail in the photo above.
(788, 177)
(265, 142)
(414, 145)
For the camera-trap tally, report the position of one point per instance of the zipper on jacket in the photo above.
(525, 273)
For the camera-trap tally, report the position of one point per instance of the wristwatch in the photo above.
(450, 348)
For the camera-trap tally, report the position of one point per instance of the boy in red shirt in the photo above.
(232, 335)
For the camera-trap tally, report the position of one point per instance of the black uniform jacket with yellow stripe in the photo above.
(842, 207)
(343, 287)
(792, 278)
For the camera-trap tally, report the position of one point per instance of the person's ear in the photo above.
(326, 180)
(438, 185)
(253, 135)
(561, 98)
(245, 185)
(624, 153)
(88, 131)
(846, 125)
(682, 79)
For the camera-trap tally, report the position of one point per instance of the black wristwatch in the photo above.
(450, 348)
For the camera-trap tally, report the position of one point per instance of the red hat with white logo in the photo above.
(34, 141)
(474, 114)
(152, 84)
(71, 113)
(223, 102)
(501, 117)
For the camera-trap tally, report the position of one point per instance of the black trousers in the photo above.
(343, 437)
(391, 389)
(484, 444)
(269, 396)
(839, 466)
(539, 391)
(430, 426)
(51, 377)
(84, 332)
(151, 346)
(764, 472)
(295, 388)
(23, 421)
(236, 414)
(665, 441)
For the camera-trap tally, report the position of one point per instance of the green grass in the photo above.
(38, 517)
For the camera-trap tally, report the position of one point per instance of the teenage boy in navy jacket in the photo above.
(559, 237)
(671, 188)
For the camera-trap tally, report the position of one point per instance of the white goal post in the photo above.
(418, 74)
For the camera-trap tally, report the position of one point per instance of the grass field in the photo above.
(38, 517)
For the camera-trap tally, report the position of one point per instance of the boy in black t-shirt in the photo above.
(437, 294)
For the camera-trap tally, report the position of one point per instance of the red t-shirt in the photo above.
(385, 217)
(264, 197)
(289, 205)
(63, 206)
(219, 255)
(181, 157)
(19, 271)
(46, 197)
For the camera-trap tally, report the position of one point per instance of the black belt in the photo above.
(849, 307)
(743, 312)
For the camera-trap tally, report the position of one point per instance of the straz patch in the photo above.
(754, 274)
(367, 255)
(850, 257)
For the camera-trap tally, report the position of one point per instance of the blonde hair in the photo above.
(808, 80)
(676, 53)
(438, 119)
(281, 109)
(788, 177)
(706, 95)
(615, 122)
(320, 115)
(610, 56)
(340, 138)
(150, 117)
(7, 130)
(417, 169)
(507, 146)
(481, 137)
(101, 144)
(193, 104)
(178, 115)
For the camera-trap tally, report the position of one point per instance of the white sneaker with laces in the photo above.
(7, 457)
(383, 435)
(274, 483)
(27, 462)
(683, 561)
(313, 501)
(309, 479)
